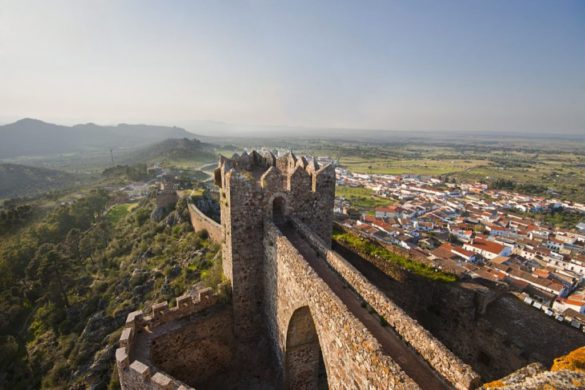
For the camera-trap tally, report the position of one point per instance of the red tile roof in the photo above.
(488, 246)
(387, 209)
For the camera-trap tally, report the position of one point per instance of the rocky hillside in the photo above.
(67, 283)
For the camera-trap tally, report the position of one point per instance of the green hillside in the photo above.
(21, 180)
(68, 281)
(174, 149)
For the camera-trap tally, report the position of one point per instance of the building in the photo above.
(488, 249)
(387, 212)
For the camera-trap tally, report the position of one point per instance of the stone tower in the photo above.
(256, 187)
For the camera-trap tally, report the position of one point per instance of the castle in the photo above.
(324, 325)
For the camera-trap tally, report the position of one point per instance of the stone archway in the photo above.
(304, 366)
(279, 210)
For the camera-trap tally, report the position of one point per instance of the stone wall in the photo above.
(166, 199)
(494, 337)
(199, 349)
(353, 357)
(135, 368)
(200, 221)
(280, 302)
(433, 351)
(249, 185)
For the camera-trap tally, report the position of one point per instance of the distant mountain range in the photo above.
(17, 180)
(32, 137)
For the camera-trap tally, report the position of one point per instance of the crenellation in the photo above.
(127, 336)
(135, 319)
(122, 359)
(270, 159)
(271, 180)
(162, 313)
(140, 369)
(205, 295)
(138, 374)
(185, 301)
(313, 165)
(159, 310)
(299, 181)
(162, 381)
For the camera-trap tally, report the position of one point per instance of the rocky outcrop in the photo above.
(567, 372)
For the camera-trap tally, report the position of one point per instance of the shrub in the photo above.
(372, 249)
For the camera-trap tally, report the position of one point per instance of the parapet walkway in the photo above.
(410, 362)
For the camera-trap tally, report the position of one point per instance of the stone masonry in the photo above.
(288, 287)
(272, 282)
(136, 369)
(250, 184)
(200, 221)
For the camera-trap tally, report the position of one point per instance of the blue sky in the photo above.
(402, 65)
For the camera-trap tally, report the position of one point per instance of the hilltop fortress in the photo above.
(300, 316)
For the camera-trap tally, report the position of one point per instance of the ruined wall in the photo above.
(166, 199)
(135, 367)
(249, 185)
(433, 351)
(198, 350)
(200, 221)
(353, 357)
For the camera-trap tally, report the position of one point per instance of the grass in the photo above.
(120, 211)
(369, 248)
(362, 198)
(427, 167)
(190, 192)
(187, 163)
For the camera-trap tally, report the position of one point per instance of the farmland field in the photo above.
(546, 172)
(362, 198)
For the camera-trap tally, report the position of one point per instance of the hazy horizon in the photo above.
(218, 129)
(421, 66)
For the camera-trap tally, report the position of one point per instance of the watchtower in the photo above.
(254, 188)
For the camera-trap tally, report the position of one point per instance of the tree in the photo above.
(72, 243)
(50, 273)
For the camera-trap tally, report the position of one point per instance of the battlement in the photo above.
(266, 171)
(256, 186)
(135, 369)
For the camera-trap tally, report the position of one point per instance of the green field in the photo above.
(410, 166)
(120, 211)
(362, 198)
